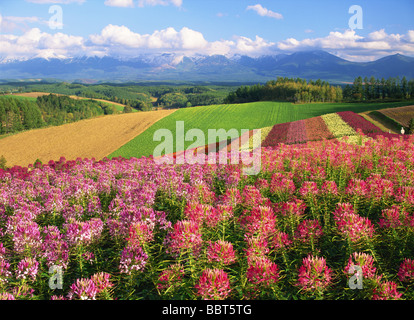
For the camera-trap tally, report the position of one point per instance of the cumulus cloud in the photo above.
(12, 23)
(35, 43)
(261, 11)
(122, 42)
(119, 3)
(351, 46)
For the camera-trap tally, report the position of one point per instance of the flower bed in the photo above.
(132, 229)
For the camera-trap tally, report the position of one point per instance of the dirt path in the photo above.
(97, 137)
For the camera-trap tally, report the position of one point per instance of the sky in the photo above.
(129, 28)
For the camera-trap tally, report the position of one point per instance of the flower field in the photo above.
(133, 229)
(328, 126)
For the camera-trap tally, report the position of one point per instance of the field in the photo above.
(91, 138)
(322, 220)
(402, 115)
(238, 116)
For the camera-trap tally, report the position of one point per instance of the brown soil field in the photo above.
(402, 115)
(91, 138)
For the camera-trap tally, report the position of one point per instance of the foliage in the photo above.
(286, 89)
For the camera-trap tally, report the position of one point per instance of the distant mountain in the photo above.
(307, 64)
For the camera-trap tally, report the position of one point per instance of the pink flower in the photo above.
(83, 289)
(102, 282)
(308, 229)
(27, 268)
(4, 271)
(279, 185)
(256, 247)
(6, 296)
(221, 251)
(309, 189)
(357, 187)
(133, 259)
(140, 233)
(260, 220)
(281, 240)
(262, 271)
(213, 284)
(365, 261)
(184, 238)
(406, 271)
(329, 187)
(295, 208)
(352, 225)
(251, 197)
(314, 274)
(386, 291)
(170, 277)
(231, 197)
(394, 217)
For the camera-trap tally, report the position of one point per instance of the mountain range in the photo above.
(306, 64)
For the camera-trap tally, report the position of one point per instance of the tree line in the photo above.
(22, 114)
(289, 90)
(370, 89)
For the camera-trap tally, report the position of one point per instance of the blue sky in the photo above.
(126, 28)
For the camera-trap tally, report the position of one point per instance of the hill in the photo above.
(91, 138)
(247, 116)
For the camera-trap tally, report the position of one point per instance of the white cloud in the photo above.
(35, 43)
(261, 11)
(12, 23)
(119, 3)
(143, 3)
(122, 42)
(351, 46)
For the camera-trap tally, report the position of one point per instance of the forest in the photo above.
(303, 91)
(50, 110)
(287, 90)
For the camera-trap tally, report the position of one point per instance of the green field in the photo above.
(238, 116)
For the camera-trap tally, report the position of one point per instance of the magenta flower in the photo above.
(365, 261)
(184, 238)
(133, 259)
(170, 277)
(262, 272)
(4, 271)
(357, 187)
(256, 247)
(314, 274)
(406, 271)
(394, 217)
(352, 225)
(6, 296)
(260, 220)
(231, 197)
(386, 291)
(279, 185)
(309, 189)
(221, 251)
(83, 289)
(102, 282)
(307, 230)
(140, 233)
(213, 284)
(281, 240)
(329, 187)
(27, 268)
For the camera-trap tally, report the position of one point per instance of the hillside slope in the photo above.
(89, 138)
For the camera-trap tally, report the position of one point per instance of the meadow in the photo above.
(249, 116)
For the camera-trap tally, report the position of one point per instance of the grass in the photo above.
(249, 116)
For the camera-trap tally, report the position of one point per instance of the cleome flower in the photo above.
(365, 261)
(406, 270)
(221, 251)
(262, 271)
(213, 284)
(314, 274)
(184, 238)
